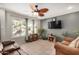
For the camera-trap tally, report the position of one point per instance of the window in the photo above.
(31, 25)
(18, 28)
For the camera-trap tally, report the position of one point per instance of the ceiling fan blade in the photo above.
(40, 14)
(43, 10)
(32, 5)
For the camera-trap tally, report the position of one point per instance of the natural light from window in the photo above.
(18, 28)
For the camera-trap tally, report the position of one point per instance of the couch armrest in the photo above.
(66, 50)
(69, 39)
(65, 42)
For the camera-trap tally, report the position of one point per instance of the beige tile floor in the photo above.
(39, 47)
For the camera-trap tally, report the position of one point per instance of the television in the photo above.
(55, 24)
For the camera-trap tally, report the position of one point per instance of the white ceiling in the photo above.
(55, 9)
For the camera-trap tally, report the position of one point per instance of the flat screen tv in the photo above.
(55, 24)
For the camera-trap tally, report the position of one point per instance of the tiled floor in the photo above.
(39, 47)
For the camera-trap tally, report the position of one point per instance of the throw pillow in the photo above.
(75, 43)
(1, 46)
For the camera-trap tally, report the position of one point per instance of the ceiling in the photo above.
(55, 9)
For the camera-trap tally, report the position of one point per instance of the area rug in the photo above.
(39, 47)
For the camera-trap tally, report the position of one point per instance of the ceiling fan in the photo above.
(40, 12)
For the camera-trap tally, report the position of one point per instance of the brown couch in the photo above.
(64, 49)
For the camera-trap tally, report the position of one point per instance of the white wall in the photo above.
(70, 22)
(8, 26)
(11, 16)
(2, 22)
(6, 18)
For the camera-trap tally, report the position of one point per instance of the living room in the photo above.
(33, 26)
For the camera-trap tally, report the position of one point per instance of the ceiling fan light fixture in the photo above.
(35, 13)
(38, 12)
(36, 6)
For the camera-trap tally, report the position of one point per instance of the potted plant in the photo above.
(42, 33)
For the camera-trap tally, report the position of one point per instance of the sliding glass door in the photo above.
(32, 26)
(18, 27)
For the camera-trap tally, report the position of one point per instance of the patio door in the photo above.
(18, 28)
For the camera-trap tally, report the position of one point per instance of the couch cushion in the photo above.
(11, 46)
(6, 43)
(75, 43)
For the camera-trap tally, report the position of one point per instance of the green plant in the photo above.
(42, 33)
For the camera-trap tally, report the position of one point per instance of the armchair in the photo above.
(64, 49)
